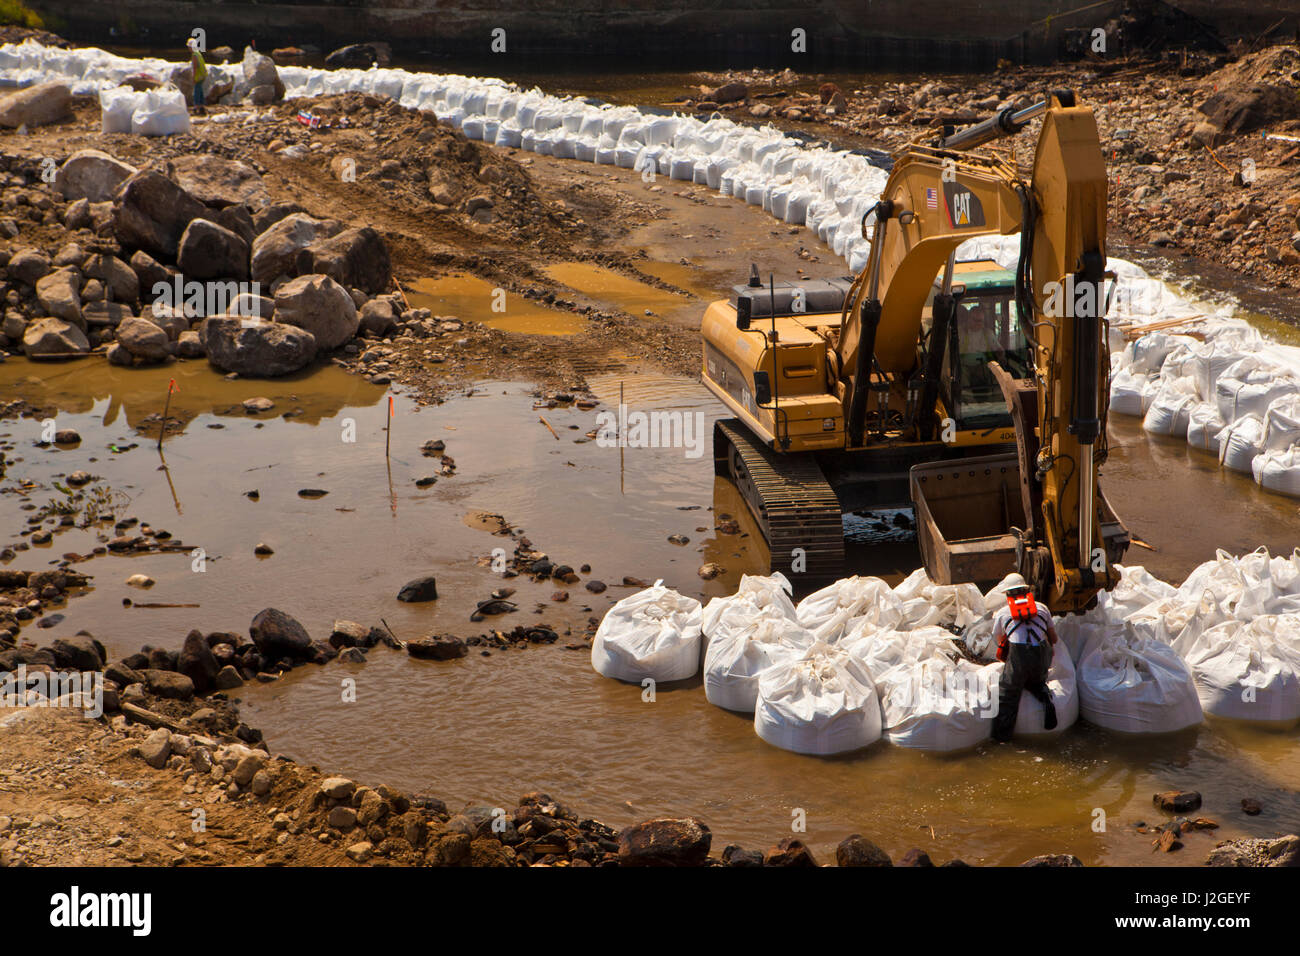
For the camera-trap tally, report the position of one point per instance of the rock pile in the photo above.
(187, 261)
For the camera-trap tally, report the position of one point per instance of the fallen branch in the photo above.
(150, 718)
(548, 427)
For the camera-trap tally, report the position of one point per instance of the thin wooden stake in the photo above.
(162, 429)
(548, 427)
(388, 430)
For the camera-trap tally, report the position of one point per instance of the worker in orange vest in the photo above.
(1025, 637)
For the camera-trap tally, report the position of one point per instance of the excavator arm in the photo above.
(936, 198)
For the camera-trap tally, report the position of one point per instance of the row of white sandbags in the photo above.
(1234, 622)
(1235, 394)
(824, 189)
(854, 662)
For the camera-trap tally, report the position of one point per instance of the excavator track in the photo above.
(790, 499)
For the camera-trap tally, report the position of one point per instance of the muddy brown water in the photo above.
(487, 729)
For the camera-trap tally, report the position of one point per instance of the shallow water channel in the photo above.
(485, 729)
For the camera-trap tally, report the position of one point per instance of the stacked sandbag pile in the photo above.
(746, 634)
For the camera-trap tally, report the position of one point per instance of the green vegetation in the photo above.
(17, 13)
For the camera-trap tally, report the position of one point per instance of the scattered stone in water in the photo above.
(437, 647)
(42, 537)
(1251, 807)
(433, 447)
(595, 587)
(631, 582)
(495, 606)
(1177, 801)
(254, 494)
(419, 589)
(708, 571)
(255, 405)
(263, 549)
(559, 596)
(312, 493)
(79, 478)
(425, 481)
(50, 621)
(679, 539)
(140, 581)
(67, 436)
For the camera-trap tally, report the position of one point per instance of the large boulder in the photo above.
(665, 843)
(54, 338)
(150, 272)
(321, 306)
(197, 662)
(378, 318)
(275, 251)
(152, 212)
(356, 258)
(28, 266)
(59, 293)
(93, 175)
(220, 182)
(256, 349)
(259, 71)
(143, 340)
(209, 251)
(277, 635)
(36, 105)
(121, 280)
(360, 55)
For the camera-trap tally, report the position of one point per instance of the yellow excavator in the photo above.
(975, 395)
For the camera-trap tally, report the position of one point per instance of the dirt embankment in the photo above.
(1193, 171)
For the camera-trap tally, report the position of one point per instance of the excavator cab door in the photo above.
(986, 330)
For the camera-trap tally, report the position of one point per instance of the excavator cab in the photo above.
(986, 329)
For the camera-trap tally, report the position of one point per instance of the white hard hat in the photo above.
(192, 43)
(1013, 580)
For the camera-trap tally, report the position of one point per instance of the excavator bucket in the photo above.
(968, 512)
(965, 510)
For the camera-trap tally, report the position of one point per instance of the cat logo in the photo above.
(963, 206)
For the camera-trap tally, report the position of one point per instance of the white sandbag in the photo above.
(931, 698)
(163, 113)
(1279, 471)
(758, 595)
(1282, 423)
(925, 603)
(1250, 670)
(821, 703)
(837, 608)
(1204, 426)
(1137, 686)
(1240, 441)
(1063, 685)
(1171, 409)
(741, 648)
(1250, 385)
(117, 105)
(1207, 362)
(1126, 392)
(654, 633)
(1147, 353)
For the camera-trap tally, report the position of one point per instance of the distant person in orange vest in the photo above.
(1024, 634)
(200, 75)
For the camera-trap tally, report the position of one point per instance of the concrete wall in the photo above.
(645, 34)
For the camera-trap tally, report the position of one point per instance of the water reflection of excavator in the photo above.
(978, 397)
